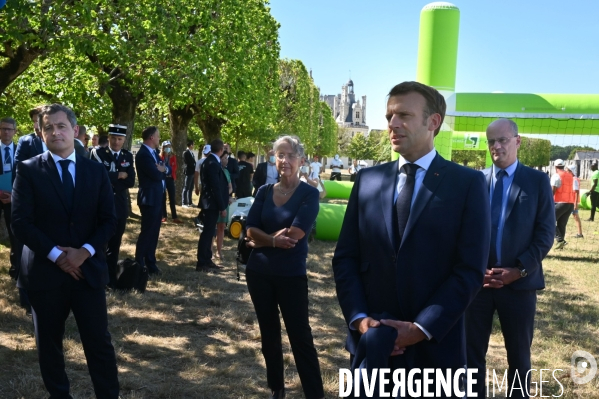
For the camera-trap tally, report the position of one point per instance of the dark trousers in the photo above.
(16, 249)
(290, 294)
(169, 184)
(147, 241)
(563, 210)
(516, 310)
(50, 310)
(594, 203)
(335, 176)
(209, 218)
(113, 249)
(188, 190)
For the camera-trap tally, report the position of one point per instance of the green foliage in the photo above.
(470, 158)
(567, 152)
(534, 152)
(575, 150)
(358, 147)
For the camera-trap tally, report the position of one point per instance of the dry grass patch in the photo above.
(195, 335)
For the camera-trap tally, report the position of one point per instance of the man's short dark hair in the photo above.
(435, 103)
(35, 111)
(216, 145)
(148, 132)
(10, 121)
(241, 155)
(250, 155)
(189, 143)
(54, 108)
(102, 140)
(82, 132)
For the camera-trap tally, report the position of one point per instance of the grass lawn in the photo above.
(195, 335)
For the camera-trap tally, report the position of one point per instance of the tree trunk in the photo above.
(210, 126)
(17, 64)
(179, 118)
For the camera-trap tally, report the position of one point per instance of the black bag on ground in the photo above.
(131, 276)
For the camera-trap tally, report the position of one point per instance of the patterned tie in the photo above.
(7, 158)
(67, 182)
(496, 203)
(404, 200)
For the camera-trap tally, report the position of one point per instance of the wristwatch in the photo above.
(523, 272)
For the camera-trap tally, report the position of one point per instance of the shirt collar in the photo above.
(9, 145)
(216, 156)
(153, 151)
(71, 157)
(510, 170)
(424, 162)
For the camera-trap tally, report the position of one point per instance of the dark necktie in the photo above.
(115, 156)
(404, 200)
(496, 203)
(7, 159)
(67, 182)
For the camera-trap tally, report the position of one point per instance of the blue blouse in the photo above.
(300, 211)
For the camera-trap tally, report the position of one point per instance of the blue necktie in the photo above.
(496, 205)
(7, 159)
(404, 200)
(67, 182)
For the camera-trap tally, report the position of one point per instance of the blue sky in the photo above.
(514, 46)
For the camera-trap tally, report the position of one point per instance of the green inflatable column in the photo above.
(437, 61)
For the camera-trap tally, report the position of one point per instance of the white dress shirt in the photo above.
(55, 252)
(8, 167)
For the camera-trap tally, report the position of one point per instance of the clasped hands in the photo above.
(497, 277)
(71, 259)
(407, 333)
(280, 240)
(5, 197)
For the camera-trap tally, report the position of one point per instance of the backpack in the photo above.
(243, 251)
(131, 276)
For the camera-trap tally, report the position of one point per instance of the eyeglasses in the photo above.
(501, 141)
(290, 157)
(6, 129)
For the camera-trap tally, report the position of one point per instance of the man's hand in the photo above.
(5, 197)
(506, 275)
(71, 260)
(363, 324)
(223, 213)
(407, 334)
(491, 280)
(197, 191)
(123, 175)
(161, 167)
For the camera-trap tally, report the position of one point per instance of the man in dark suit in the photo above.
(119, 165)
(266, 173)
(523, 225)
(150, 173)
(63, 211)
(189, 159)
(8, 128)
(81, 143)
(31, 144)
(232, 167)
(413, 246)
(214, 200)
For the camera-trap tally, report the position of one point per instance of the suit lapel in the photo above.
(514, 191)
(388, 185)
(488, 174)
(51, 170)
(432, 178)
(37, 143)
(80, 176)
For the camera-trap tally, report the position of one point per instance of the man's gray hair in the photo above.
(293, 141)
(54, 108)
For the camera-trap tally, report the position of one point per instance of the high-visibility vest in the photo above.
(566, 192)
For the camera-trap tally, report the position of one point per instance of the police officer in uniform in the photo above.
(119, 164)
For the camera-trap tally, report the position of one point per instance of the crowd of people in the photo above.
(420, 268)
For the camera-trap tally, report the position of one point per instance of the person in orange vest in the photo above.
(576, 188)
(564, 197)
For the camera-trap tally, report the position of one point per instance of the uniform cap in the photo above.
(117, 130)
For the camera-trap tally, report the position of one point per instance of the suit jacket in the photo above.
(41, 220)
(28, 146)
(233, 168)
(215, 188)
(80, 149)
(149, 177)
(529, 226)
(120, 187)
(440, 264)
(190, 163)
(259, 178)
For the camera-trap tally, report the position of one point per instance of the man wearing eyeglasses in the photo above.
(8, 128)
(522, 228)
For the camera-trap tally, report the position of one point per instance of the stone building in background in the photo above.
(348, 112)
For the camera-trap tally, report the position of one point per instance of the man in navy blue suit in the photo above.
(31, 144)
(523, 226)
(150, 174)
(63, 211)
(413, 246)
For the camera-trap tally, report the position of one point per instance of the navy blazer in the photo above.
(149, 178)
(41, 220)
(529, 227)
(440, 264)
(28, 146)
(215, 188)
